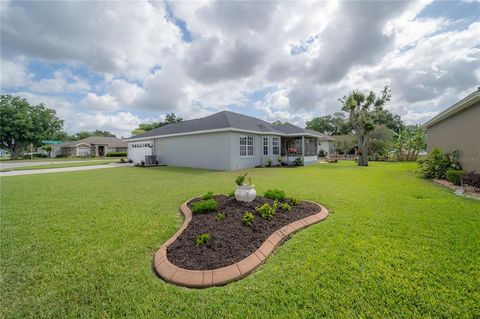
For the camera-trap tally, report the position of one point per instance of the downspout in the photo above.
(303, 150)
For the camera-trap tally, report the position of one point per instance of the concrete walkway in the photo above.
(8, 165)
(63, 169)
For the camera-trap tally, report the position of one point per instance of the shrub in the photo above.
(436, 164)
(275, 194)
(471, 179)
(453, 175)
(295, 201)
(207, 195)
(247, 218)
(269, 163)
(220, 217)
(231, 194)
(202, 239)
(266, 211)
(116, 154)
(321, 153)
(286, 207)
(204, 206)
(240, 180)
(298, 162)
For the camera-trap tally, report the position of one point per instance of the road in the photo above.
(8, 165)
(64, 169)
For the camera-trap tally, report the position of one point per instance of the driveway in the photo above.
(64, 169)
(9, 165)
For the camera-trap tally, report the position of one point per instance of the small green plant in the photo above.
(298, 162)
(286, 207)
(266, 211)
(231, 194)
(295, 201)
(453, 175)
(250, 183)
(240, 180)
(275, 194)
(202, 239)
(248, 218)
(207, 195)
(269, 163)
(220, 217)
(204, 206)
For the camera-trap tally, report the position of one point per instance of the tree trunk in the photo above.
(362, 151)
(16, 151)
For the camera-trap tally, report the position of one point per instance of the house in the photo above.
(225, 141)
(91, 146)
(458, 128)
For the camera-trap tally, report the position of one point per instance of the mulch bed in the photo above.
(231, 241)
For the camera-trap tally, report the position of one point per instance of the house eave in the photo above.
(454, 109)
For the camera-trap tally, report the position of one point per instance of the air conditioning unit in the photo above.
(150, 160)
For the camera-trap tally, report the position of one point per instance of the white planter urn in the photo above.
(245, 193)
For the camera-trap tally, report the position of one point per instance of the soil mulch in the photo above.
(231, 241)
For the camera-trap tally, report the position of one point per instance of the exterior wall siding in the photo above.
(461, 132)
(209, 151)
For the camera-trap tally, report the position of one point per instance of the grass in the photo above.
(57, 159)
(80, 245)
(59, 165)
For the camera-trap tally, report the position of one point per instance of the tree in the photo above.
(335, 124)
(392, 121)
(379, 142)
(169, 119)
(409, 143)
(84, 134)
(345, 143)
(277, 122)
(23, 124)
(361, 116)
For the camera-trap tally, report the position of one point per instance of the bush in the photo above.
(231, 194)
(295, 201)
(116, 154)
(204, 206)
(286, 207)
(269, 163)
(322, 153)
(275, 194)
(437, 163)
(471, 179)
(453, 175)
(207, 195)
(202, 239)
(220, 217)
(266, 211)
(298, 162)
(247, 218)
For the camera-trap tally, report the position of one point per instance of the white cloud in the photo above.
(13, 74)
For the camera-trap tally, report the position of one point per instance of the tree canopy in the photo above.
(170, 118)
(84, 134)
(362, 117)
(335, 124)
(23, 124)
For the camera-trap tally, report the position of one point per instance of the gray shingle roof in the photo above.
(94, 140)
(226, 120)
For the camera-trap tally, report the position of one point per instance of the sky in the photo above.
(113, 65)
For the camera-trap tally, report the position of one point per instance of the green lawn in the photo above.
(60, 165)
(80, 245)
(57, 159)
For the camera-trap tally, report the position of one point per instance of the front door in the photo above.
(101, 151)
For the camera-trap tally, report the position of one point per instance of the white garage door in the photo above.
(138, 150)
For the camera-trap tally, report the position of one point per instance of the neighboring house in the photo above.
(458, 128)
(327, 145)
(91, 146)
(225, 141)
(4, 153)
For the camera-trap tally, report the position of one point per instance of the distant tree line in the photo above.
(144, 127)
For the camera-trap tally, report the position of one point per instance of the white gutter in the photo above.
(457, 107)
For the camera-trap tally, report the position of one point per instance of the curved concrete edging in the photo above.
(220, 276)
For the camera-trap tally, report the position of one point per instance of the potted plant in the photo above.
(245, 191)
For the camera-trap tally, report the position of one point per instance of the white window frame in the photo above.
(265, 146)
(248, 146)
(276, 139)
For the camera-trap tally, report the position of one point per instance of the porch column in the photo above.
(303, 149)
(96, 150)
